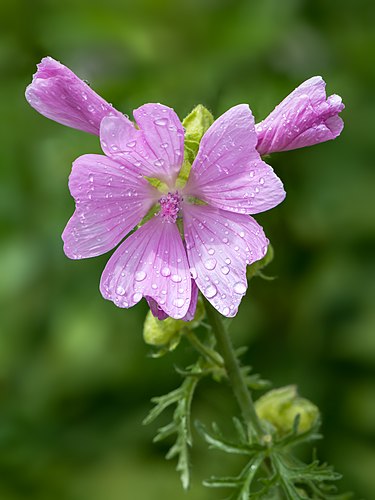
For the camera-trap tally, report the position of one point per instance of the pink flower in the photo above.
(200, 236)
(304, 118)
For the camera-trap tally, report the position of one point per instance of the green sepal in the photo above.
(196, 124)
(256, 267)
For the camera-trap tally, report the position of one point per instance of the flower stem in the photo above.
(234, 372)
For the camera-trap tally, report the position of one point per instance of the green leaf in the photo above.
(180, 425)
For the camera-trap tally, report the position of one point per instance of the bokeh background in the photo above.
(75, 375)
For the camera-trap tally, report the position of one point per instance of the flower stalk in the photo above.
(235, 375)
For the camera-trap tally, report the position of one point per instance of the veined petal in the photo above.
(155, 149)
(158, 312)
(304, 118)
(110, 202)
(151, 262)
(57, 93)
(228, 172)
(219, 246)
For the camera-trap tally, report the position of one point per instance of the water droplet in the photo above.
(239, 288)
(242, 234)
(210, 291)
(225, 270)
(178, 302)
(91, 178)
(159, 162)
(228, 261)
(211, 251)
(164, 145)
(176, 278)
(154, 286)
(225, 240)
(210, 264)
(140, 276)
(261, 180)
(137, 297)
(162, 122)
(131, 144)
(165, 272)
(120, 290)
(252, 173)
(226, 311)
(193, 273)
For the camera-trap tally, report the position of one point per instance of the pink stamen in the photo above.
(170, 205)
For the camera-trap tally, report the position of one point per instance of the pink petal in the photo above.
(228, 172)
(156, 149)
(57, 93)
(110, 202)
(219, 246)
(151, 262)
(304, 118)
(158, 312)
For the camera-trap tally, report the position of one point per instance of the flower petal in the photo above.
(156, 149)
(219, 246)
(158, 312)
(228, 172)
(110, 202)
(151, 262)
(304, 118)
(57, 93)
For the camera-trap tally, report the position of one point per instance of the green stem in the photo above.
(235, 375)
(204, 350)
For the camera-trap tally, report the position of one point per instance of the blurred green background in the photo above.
(75, 376)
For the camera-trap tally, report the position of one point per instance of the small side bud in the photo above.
(280, 407)
(164, 333)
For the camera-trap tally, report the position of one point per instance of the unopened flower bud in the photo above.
(280, 408)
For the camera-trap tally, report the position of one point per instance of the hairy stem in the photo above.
(235, 375)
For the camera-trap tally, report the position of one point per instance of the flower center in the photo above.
(170, 205)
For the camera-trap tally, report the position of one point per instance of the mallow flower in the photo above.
(197, 235)
(304, 118)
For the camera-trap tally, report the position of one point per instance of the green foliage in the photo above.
(271, 470)
(180, 425)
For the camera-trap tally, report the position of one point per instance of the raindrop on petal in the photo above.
(239, 288)
(162, 122)
(210, 291)
(137, 297)
(178, 302)
(140, 276)
(165, 272)
(210, 264)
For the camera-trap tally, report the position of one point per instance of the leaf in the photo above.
(180, 425)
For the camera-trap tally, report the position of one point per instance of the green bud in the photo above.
(280, 408)
(196, 124)
(162, 333)
(256, 267)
